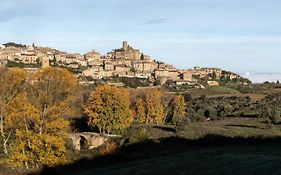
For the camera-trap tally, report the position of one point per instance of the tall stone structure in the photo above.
(45, 62)
(125, 45)
(126, 53)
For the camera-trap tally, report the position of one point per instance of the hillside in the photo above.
(232, 146)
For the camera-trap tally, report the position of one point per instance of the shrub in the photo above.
(108, 148)
(136, 135)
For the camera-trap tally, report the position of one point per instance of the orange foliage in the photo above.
(109, 109)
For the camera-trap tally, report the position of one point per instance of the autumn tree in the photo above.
(140, 110)
(32, 109)
(108, 109)
(178, 112)
(12, 82)
(42, 132)
(154, 107)
(23, 119)
(178, 106)
(149, 107)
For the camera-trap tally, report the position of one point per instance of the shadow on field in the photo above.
(243, 126)
(162, 147)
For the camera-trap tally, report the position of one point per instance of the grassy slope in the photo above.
(222, 160)
(232, 127)
(184, 156)
(214, 90)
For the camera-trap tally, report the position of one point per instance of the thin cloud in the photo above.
(6, 17)
(155, 21)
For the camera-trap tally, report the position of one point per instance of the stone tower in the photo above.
(125, 45)
(45, 62)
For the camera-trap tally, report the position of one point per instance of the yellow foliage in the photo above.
(108, 109)
(12, 82)
(155, 109)
(178, 106)
(34, 116)
(140, 111)
(149, 109)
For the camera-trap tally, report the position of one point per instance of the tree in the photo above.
(149, 108)
(108, 109)
(12, 82)
(51, 95)
(32, 107)
(142, 57)
(154, 107)
(22, 120)
(157, 82)
(54, 92)
(30, 148)
(179, 112)
(140, 110)
(178, 106)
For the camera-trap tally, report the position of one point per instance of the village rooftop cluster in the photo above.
(123, 62)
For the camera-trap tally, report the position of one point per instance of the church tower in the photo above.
(125, 45)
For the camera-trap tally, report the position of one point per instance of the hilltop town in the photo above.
(51, 121)
(125, 62)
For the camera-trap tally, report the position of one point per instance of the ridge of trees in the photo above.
(34, 106)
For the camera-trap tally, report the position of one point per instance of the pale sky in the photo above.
(237, 35)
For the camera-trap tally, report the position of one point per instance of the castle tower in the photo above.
(125, 45)
(45, 62)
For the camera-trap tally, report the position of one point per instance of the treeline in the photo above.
(34, 109)
(112, 109)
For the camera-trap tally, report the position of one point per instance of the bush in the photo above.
(197, 115)
(136, 135)
(270, 107)
(108, 148)
(181, 122)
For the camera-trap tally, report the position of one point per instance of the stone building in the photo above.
(93, 55)
(186, 76)
(105, 73)
(45, 62)
(144, 66)
(169, 74)
(126, 52)
(213, 83)
(28, 58)
(121, 70)
(207, 71)
(108, 66)
(95, 62)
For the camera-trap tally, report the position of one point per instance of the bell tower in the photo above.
(125, 45)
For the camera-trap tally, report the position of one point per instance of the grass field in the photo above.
(216, 160)
(254, 97)
(229, 146)
(213, 90)
(231, 127)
